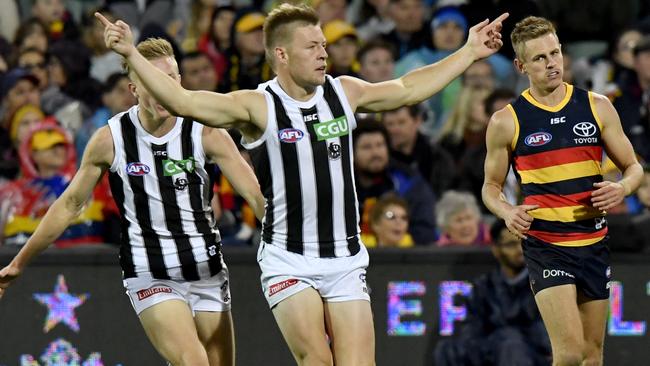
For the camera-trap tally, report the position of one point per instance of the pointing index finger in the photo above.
(102, 19)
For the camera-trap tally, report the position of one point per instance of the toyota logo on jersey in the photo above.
(584, 129)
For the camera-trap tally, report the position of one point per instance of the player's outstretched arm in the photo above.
(66, 208)
(213, 109)
(483, 40)
(220, 148)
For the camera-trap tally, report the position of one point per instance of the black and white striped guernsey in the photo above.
(304, 165)
(163, 188)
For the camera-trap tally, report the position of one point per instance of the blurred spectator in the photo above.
(199, 23)
(371, 18)
(503, 326)
(389, 222)
(116, 97)
(478, 10)
(17, 88)
(47, 160)
(246, 64)
(72, 95)
(31, 34)
(463, 137)
(410, 32)
(219, 38)
(35, 61)
(56, 18)
(9, 19)
(410, 147)
(5, 53)
(480, 75)
(618, 68)
(633, 101)
(329, 10)
(376, 61)
(459, 220)
(22, 121)
(376, 175)
(197, 72)
(342, 47)
(139, 14)
(103, 62)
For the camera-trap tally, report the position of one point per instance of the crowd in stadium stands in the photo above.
(419, 169)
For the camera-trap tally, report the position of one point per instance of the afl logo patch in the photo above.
(538, 139)
(137, 169)
(290, 135)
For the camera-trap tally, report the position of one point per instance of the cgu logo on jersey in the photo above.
(172, 167)
(137, 169)
(290, 135)
(330, 129)
(538, 139)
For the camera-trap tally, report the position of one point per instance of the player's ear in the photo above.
(519, 65)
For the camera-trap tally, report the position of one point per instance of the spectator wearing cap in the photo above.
(632, 101)
(20, 123)
(246, 64)
(503, 326)
(410, 32)
(342, 47)
(17, 87)
(116, 97)
(47, 161)
(449, 27)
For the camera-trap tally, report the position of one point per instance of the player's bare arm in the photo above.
(221, 150)
(483, 40)
(607, 195)
(97, 158)
(213, 109)
(500, 133)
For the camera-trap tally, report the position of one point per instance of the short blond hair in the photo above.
(151, 49)
(527, 29)
(279, 26)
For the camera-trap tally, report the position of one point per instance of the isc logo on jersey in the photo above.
(137, 169)
(330, 129)
(538, 139)
(290, 135)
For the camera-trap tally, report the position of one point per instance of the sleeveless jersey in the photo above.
(163, 188)
(304, 165)
(557, 154)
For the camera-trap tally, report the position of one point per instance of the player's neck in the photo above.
(295, 91)
(156, 127)
(549, 97)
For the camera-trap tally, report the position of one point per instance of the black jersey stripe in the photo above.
(351, 223)
(261, 164)
(126, 256)
(195, 187)
(292, 184)
(323, 186)
(565, 187)
(141, 202)
(173, 215)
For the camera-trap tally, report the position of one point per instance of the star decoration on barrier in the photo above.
(61, 305)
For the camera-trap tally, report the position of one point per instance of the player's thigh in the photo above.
(351, 328)
(170, 328)
(300, 318)
(216, 332)
(559, 309)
